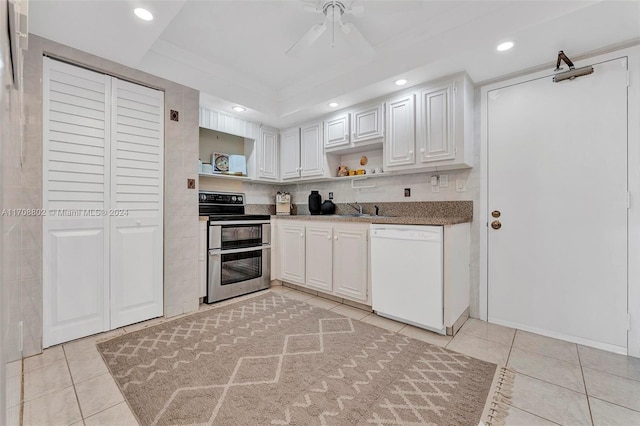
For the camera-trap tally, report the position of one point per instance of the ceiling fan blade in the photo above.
(307, 40)
(357, 40)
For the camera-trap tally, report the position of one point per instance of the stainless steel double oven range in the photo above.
(239, 246)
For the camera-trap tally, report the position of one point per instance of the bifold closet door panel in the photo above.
(76, 140)
(136, 194)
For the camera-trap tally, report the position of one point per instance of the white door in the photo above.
(350, 262)
(290, 153)
(401, 136)
(292, 253)
(76, 135)
(268, 154)
(367, 124)
(557, 175)
(434, 125)
(137, 146)
(319, 253)
(311, 151)
(336, 131)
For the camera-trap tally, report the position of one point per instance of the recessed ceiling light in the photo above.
(334, 104)
(238, 108)
(401, 82)
(505, 46)
(143, 14)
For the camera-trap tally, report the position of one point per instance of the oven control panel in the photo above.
(221, 198)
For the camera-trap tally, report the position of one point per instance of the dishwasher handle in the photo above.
(407, 234)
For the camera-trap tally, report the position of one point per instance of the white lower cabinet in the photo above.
(291, 237)
(319, 257)
(351, 262)
(330, 257)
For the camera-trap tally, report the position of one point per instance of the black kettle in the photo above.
(328, 207)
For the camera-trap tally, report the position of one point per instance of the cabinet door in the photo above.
(350, 262)
(292, 253)
(319, 247)
(311, 151)
(435, 124)
(336, 131)
(401, 140)
(290, 154)
(367, 124)
(267, 154)
(137, 149)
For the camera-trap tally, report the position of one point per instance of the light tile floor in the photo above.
(556, 382)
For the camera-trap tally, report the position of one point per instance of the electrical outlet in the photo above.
(444, 181)
(191, 184)
(460, 187)
(331, 195)
(174, 115)
(407, 192)
(435, 188)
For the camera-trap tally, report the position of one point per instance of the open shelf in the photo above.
(224, 176)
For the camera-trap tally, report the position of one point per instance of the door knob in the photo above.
(496, 224)
(495, 213)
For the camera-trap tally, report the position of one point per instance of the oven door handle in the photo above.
(237, 222)
(240, 250)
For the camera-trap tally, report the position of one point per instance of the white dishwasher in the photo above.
(407, 274)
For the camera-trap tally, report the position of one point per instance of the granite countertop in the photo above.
(400, 220)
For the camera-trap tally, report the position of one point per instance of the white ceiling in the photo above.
(233, 51)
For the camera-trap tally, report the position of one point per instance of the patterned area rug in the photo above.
(271, 360)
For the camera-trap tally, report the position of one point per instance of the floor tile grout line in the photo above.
(584, 382)
(534, 414)
(613, 403)
(549, 383)
(73, 383)
(612, 374)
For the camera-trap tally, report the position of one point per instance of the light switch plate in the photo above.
(460, 187)
(444, 181)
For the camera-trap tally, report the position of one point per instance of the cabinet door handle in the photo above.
(421, 150)
(410, 153)
(301, 235)
(335, 237)
(328, 237)
(138, 222)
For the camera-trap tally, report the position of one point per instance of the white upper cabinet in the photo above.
(434, 127)
(336, 130)
(312, 160)
(290, 154)
(399, 149)
(267, 150)
(367, 124)
(443, 127)
(227, 123)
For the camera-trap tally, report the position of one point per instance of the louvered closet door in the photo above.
(75, 160)
(136, 195)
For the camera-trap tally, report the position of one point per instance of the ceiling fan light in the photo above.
(401, 82)
(143, 14)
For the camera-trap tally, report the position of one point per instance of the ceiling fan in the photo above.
(333, 11)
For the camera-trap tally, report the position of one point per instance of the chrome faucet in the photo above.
(359, 207)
